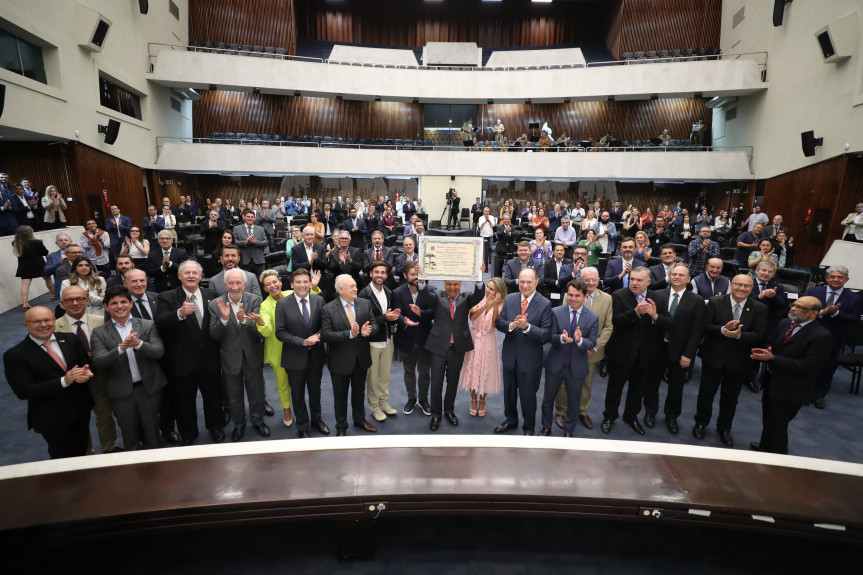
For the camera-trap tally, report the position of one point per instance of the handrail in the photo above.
(759, 57)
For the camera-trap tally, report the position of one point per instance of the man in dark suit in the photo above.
(448, 341)
(308, 254)
(617, 271)
(379, 252)
(56, 259)
(678, 348)
(504, 242)
(384, 314)
(412, 331)
(330, 219)
(640, 318)
(118, 227)
(345, 259)
(772, 295)
(298, 327)
(733, 326)
(8, 220)
(126, 350)
(233, 320)
(775, 228)
(476, 212)
(711, 283)
(526, 321)
(453, 202)
(840, 309)
(557, 274)
(346, 326)
(153, 224)
(356, 227)
(122, 264)
(144, 303)
(191, 355)
(659, 273)
(554, 221)
(50, 370)
(251, 240)
(372, 219)
(514, 267)
(575, 332)
(615, 213)
(798, 348)
(163, 263)
(26, 213)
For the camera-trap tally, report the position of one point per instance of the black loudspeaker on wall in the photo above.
(110, 131)
(452, 178)
(2, 97)
(144, 5)
(810, 142)
(779, 11)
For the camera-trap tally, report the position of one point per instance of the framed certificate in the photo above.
(445, 258)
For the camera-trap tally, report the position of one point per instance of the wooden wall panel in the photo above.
(416, 22)
(632, 120)
(262, 113)
(123, 181)
(253, 22)
(641, 25)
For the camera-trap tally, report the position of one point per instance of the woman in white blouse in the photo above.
(170, 222)
(589, 221)
(83, 274)
(136, 247)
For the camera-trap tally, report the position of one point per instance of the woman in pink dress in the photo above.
(481, 370)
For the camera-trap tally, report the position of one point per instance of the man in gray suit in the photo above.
(513, 267)
(251, 240)
(265, 217)
(574, 333)
(230, 259)
(233, 320)
(126, 350)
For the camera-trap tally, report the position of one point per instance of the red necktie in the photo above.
(54, 356)
(523, 306)
(377, 254)
(452, 316)
(790, 332)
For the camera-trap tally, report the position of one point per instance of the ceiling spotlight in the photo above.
(490, 101)
(338, 96)
(416, 100)
(611, 98)
(377, 98)
(527, 101)
(567, 100)
(654, 96)
(699, 94)
(256, 90)
(213, 87)
(297, 93)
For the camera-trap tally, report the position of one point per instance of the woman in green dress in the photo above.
(594, 248)
(272, 346)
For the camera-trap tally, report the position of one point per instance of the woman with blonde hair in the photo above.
(480, 373)
(55, 208)
(31, 262)
(643, 251)
(82, 273)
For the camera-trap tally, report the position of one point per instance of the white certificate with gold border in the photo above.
(450, 258)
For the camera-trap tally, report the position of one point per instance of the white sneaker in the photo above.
(377, 413)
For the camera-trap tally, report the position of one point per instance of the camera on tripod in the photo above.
(449, 194)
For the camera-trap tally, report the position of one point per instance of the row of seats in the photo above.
(238, 49)
(687, 55)
(315, 141)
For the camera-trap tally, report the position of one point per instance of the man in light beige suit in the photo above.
(600, 303)
(74, 300)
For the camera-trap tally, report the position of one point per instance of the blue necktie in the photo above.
(305, 312)
(626, 280)
(573, 325)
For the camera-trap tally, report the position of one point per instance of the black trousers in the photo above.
(356, 382)
(618, 375)
(674, 397)
(300, 380)
(776, 415)
(712, 378)
(185, 400)
(453, 220)
(449, 366)
(70, 440)
(415, 360)
(521, 386)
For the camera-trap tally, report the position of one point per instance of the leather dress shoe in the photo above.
(671, 424)
(303, 434)
(268, 410)
(226, 417)
(636, 427)
(649, 420)
(567, 434)
(755, 446)
(545, 432)
(366, 426)
(262, 429)
(453, 420)
(586, 421)
(605, 427)
(217, 434)
(603, 371)
(505, 426)
(184, 442)
(560, 420)
(726, 439)
(818, 402)
(173, 438)
(322, 427)
(698, 431)
(238, 432)
(116, 449)
(434, 424)
(341, 433)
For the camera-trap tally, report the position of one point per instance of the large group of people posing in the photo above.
(138, 332)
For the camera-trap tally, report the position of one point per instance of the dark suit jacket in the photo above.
(372, 221)
(35, 377)
(457, 325)
(152, 300)
(358, 238)
(636, 339)
(291, 330)
(795, 364)
(613, 270)
(718, 351)
(165, 280)
(557, 282)
(118, 235)
(777, 306)
(476, 211)
(849, 313)
(386, 253)
(114, 367)
(687, 325)
(505, 241)
(189, 349)
(588, 322)
(384, 333)
(343, 352)
(519, 347)
(512, 268)
(407, 337)
(300, 260)
(658, 280)
(353, 268)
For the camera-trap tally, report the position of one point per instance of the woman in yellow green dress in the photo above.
(272, 346)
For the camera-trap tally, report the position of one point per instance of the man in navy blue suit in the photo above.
(525, 319)
(772, 295)
(308, 254)
(840, 310)
(412, 331)
(118, 227)
(574, 334)
(618, 270)
(357, 228)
